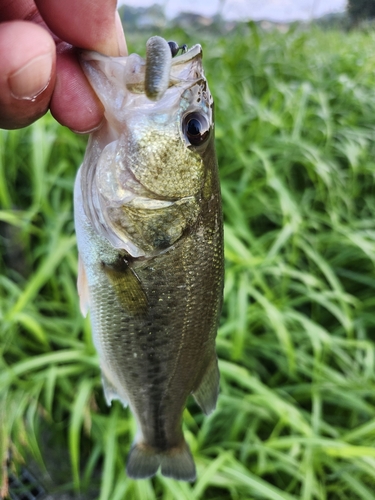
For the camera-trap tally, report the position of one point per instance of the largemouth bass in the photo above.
(149, 230)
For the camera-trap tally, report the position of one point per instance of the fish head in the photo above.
(158, 126)
(163, 139)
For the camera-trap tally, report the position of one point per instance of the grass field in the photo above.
(295, 127)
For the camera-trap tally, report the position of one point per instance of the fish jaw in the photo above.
(119, 83)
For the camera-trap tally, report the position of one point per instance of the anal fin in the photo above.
(110, 391)
(208, 390)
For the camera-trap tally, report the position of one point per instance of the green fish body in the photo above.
(149, 230)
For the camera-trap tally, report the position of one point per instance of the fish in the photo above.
(149, 229)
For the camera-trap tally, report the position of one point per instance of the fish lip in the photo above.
(194, 52)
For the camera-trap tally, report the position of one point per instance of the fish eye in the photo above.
(196, 128)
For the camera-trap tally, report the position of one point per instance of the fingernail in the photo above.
(89, 131)
(30, 80)
(122, 48)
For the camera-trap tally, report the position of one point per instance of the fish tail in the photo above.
(176, 463)
(142, 462)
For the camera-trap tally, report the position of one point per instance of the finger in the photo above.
(88, 24)
(93, 25)
(74, 103)
(27, 55)
(11, 10)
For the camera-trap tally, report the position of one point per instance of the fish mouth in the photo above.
(151, 76)
(163, 68)
(189, 55)
(187, 66)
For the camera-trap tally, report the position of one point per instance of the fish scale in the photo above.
(154, 301)
(149, 335)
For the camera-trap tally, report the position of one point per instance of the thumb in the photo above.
(27, 73)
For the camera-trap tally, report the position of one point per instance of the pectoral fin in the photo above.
(208, 390)
(127, 287)
(83, 288)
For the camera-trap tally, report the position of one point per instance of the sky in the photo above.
(271, 10)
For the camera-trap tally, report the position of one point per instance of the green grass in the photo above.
(295, 127)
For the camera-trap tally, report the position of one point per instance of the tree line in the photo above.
(359, 10)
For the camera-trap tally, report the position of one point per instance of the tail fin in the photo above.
(142, 462)
(176, 463)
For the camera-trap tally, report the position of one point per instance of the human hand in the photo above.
(38, 60)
